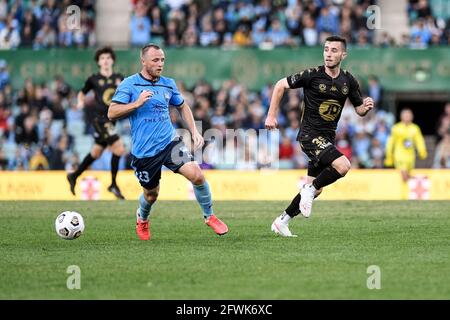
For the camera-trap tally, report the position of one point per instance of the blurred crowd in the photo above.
(428, 26)
(362, 140)
(264, 24)
(284, 23)
(442, 152)
(249, 23)
(33, 125)
(41, 127)
(42, 24)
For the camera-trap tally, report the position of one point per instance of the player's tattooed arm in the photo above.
(277, 95)
(366, 106)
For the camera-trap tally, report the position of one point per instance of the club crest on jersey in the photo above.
(166, 96)
(344, 89)
(322, 87)
(101, 82)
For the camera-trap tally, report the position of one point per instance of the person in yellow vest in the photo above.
(38, 161)
(401, 147)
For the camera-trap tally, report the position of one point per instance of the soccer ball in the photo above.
(69, 225)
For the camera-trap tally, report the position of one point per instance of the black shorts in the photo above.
(148, 170)
(321, 152)
(105, 133)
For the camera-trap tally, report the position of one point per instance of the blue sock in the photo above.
(144, 208)
(203, 195)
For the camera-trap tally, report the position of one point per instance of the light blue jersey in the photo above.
(151, 127)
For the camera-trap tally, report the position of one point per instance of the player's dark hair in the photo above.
(149, 46)
(105, 50)
(338, 39)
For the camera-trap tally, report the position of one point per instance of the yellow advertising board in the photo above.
(226, 185)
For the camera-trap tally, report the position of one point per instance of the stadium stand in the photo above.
(42, 24)
(42, 118)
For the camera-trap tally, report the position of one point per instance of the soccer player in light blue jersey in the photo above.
(145, 98)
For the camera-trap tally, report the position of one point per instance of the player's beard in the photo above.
(154, 73)
(335, 66)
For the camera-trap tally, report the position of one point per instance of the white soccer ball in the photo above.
(69, 225)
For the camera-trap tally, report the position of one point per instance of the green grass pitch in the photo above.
(408, 240)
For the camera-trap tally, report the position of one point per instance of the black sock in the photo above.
(114, 168)
(293, 209)
(87, 161)
(326, 177)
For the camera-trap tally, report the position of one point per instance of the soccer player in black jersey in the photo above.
(326, 88)
(104, 84)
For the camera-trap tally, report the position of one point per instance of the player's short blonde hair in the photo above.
(147, 47)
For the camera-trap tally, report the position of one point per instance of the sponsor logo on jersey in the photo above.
(322, 87)
(330, 109)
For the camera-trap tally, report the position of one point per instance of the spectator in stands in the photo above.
(3, 9)
(30, 27)
(258, 35)
(9, 36)
(3, 159)
(140, 25)
(387, 41)
(19, 161)
(375, 91)
(327, 21)
(278, 35)
(293, 15)
(50, 14)
(286, 151)
(38, 161)
(376, 154)
(443, 123)
(208, 37)
(242, 36)
(4, 74)
(60, 155)
(27, 134)
(442, 155)
(310, 34)
(361, 147)
(420, 33)
(190, 37)
(346, 23)
(65, 36)
(5, 115)
(20, 118)
(343, 144)
(220, 24)
(45, 37)
(158, 24)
